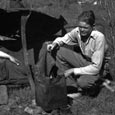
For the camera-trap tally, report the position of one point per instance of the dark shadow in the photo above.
(71, 89)
(39, 28)
(94, 90)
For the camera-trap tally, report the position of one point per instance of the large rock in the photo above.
(3, 95)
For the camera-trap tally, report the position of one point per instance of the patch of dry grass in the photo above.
(103, 104)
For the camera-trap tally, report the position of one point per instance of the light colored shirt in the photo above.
(94, 48)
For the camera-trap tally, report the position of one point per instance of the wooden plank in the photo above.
(3, 38)
(25, 53)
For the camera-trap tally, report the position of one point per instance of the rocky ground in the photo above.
(21, 103)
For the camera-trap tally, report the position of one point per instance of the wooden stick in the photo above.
(3, 38)
(25, 52)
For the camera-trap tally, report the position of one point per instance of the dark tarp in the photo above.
(39, 28)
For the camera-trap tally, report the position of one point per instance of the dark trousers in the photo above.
(65, 59)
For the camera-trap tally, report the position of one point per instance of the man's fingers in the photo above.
(49, 47)
(66, 74)
(16, 61)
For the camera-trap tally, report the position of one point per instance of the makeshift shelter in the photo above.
(29, 29)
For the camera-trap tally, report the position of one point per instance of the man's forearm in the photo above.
(4, 55)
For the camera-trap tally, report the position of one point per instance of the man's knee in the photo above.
(82, 83)
(61, 51)
(87, 81)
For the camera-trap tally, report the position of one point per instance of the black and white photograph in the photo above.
(57, 57)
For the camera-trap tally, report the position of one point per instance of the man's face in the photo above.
(85, 29)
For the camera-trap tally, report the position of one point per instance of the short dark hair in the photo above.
(88, 17)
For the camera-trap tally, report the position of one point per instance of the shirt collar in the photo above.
(91, 35)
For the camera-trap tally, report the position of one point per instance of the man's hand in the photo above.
(69, 72)
(14, 60)
(51, 47)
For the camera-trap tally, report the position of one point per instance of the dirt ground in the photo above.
(20, 103)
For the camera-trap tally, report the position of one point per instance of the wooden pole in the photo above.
(25, 53)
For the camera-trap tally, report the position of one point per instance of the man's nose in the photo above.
(82, 29)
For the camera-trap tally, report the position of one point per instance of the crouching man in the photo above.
(81, 66)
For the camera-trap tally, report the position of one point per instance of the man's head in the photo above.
(86, 22)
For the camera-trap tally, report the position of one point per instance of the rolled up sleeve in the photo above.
(97, 59)
(69, 38)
